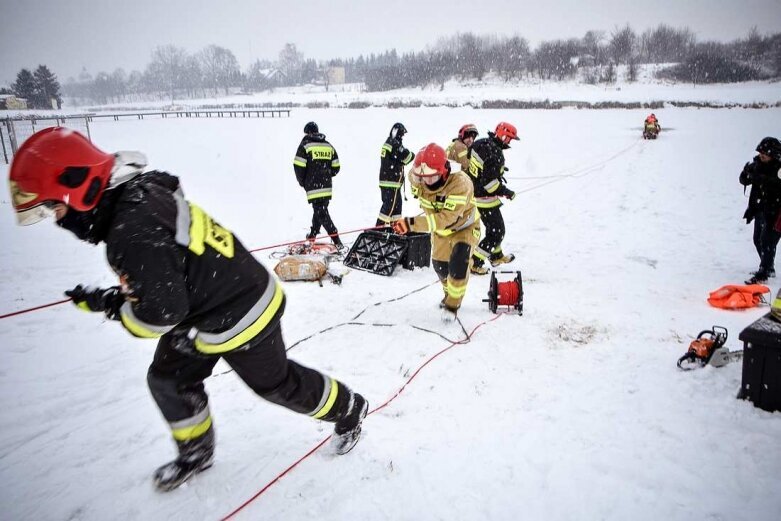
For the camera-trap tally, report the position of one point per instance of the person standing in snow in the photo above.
(185, 280)
(451, 218)
(486, 168)
(458, 149)
(393, 158)
(651, 127)
(316, 162)
(764, 204)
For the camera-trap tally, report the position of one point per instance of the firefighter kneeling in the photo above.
(451, 218)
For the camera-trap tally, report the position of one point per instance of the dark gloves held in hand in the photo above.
(107, 300)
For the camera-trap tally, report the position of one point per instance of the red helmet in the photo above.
(57, 165)
(506, 132)
(468, 130)
(431, 164)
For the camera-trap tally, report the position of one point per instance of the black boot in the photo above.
(194, 456)
(759, 277)
(348, 427)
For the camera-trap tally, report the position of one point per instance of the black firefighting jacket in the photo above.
(393, 158)
(765, 182)
(316, 162)
(182, 271)
(486, 169)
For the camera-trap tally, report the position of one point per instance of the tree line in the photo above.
(39, 88)
(174, 73)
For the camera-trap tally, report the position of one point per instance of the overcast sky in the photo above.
(102, 35)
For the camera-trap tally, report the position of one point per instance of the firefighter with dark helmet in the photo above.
(486, 169)
(447, 199)
(185, 280)
(393, 158)
(315, 164)
(458, 149)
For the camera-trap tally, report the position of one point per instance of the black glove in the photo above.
(509, 194)
(98, 299)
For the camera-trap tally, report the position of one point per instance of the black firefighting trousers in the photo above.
(391, 205)
(176, 378)
(490, 247)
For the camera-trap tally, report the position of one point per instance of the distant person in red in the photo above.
(184, 280)
(651, 127)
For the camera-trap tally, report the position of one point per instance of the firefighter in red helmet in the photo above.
(458, 149)
(185, 280)
(447, 199)
(486, 168)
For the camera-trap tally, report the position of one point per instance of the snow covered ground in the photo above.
(575, 410)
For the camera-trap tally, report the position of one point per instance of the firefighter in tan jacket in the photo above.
(458, 149)
(451, 218)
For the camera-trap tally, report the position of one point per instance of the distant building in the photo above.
(272, 75)
(335, 75)
(11, 102)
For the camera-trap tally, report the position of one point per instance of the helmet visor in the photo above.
(425, 174)
(29, 208)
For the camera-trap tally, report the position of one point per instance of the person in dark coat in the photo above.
(764, 204)
(486, 169)
(184, 279)
(393, 158)
(315, 164)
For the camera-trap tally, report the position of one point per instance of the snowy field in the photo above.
(575, 410)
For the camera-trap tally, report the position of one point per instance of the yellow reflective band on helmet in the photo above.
(193, 431)
(329, 403)
(250, 332)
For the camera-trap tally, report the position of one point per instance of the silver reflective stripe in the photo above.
(489, 199)
(319, 191)
(317, 145)
(183, 219)
(127, 311)
(492, 186)
(469, 222)
(476, 158)
(247, 320)
(300, 159)
(192, 420)
(326, 394)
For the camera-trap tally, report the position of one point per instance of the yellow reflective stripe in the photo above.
(299, 163)
(193, 431)
(455, 291)
(197, 229)
(248, 334)
(335, 163)
(493, 186)
(390, 184)
(432, 223)
(137, 328)
(425, 203)
(480, 253)
(463, 153)
(386, 147)
(83, 306)
(333, 392)
(408, 158)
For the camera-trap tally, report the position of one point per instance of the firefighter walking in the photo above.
(447, 199)
(486, 168)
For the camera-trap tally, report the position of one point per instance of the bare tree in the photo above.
(622, 44)
(166, 69)
(219, 67)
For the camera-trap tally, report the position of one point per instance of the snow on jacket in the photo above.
(486, 168)
(182, 270)
(393, 158)
(765, 194)
(316, 162)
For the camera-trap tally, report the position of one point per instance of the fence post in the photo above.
(12, 136)
(2, 142)
(86, 123)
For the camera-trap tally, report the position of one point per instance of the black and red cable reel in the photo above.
(508, 294)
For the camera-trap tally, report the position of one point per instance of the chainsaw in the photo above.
(709, 348)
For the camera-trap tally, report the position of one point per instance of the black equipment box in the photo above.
(761, 379)
(380, 252)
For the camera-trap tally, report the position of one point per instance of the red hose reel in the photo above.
(509, 293)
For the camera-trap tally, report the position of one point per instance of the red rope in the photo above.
(387, 402)
(35, 308)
